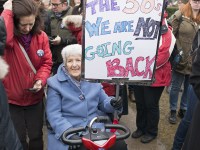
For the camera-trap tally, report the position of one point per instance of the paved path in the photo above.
(135, 144)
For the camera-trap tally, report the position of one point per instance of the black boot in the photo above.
(147, 138)
(181, 113)
(136, 134)
(172, 117)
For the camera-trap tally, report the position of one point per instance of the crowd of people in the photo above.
(40, 48)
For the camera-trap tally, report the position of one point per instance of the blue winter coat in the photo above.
(66, 109)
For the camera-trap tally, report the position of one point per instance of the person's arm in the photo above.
(74, 24)
(2, 37)
(68, 40)
(195, 75)
(7, 14)
(8, 136)
(163, 51)
(45, 69)
(176, 22)
(104, 103)
(54, 113)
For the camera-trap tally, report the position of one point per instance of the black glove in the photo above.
(116, 103)
(74, 137)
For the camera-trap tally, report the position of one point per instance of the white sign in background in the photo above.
(121, 38)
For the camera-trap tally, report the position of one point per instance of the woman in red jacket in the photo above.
(29, 57)
(147, 97)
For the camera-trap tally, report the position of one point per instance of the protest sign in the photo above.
(121, 38)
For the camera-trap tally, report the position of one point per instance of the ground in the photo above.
(167, 131)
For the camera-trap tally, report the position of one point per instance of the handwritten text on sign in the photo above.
(121, 38)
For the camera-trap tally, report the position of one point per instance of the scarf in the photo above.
(76, 82)
(59, 15)
(26, 41)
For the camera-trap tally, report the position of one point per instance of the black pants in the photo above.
(119, 145)
(8, 136)
(28, 122)
(147, 105)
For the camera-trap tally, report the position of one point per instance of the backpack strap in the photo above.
(27, 58)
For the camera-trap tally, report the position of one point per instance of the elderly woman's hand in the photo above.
(116, 103)
(8, 5)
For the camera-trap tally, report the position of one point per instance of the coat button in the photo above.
(84, 119)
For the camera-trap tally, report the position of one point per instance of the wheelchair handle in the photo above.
(66, 133)
(102, 119)
(72, 131)
(126, 130)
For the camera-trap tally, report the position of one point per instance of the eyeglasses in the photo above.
(55, 5)
(196, 2)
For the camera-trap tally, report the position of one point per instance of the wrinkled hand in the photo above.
(8, 5)
(38, 85)
(116, 103)
(56, 41)
(74, 137)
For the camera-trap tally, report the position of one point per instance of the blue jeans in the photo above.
(177, 80)
(185, 122)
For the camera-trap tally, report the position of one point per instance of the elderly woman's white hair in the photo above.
(73, 49)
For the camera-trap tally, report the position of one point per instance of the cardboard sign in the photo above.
(121, 38)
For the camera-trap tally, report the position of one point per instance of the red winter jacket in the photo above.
(163, 66)
(21, 76)
(109, 88)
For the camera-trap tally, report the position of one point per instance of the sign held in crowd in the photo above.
(121, 38)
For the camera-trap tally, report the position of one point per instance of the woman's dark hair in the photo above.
(1, 5)
(23, 8)
(77, 10)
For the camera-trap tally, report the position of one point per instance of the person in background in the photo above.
(192, 100)
(169, 21)
(193, 135)
(8, 136)
(74, 3)
(185, 25)
(73, 22)
(29, 57)
(44, 15)
(147, 97)
(46, 4)
(59, 35)
(63, 107)
(185, 122)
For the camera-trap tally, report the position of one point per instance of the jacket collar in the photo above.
(63, 13)
(61, 74)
